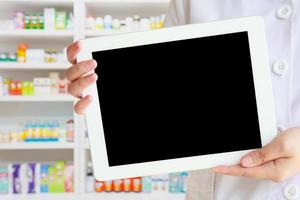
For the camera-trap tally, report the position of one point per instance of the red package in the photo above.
(127, 185)
(108, 186)
(15, 88)
(99, 186)
(137, 184)
(118, 185)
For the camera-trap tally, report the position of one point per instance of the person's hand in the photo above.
(77, 77)
(276, 161)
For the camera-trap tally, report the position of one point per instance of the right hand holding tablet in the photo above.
(76, 75)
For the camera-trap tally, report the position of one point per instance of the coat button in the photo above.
(280, 68)
(280, 128)
(284, 12)
(291, 192)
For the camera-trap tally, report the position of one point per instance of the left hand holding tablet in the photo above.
(277, 161)
(76, 75)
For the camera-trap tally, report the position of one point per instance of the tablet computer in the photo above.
(177, 99)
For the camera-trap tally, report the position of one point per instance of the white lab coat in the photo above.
(282, 19)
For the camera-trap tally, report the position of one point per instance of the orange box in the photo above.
(137, 184)
(127, 185)
(108, 186)
(99, 186)
(15, 88)
(118, 185)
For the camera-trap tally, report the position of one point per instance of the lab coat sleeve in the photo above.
(200, 185)
(178, 13)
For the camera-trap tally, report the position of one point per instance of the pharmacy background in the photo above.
(44, 148)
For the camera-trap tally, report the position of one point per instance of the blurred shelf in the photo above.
(53, 98)
(93, 196)
(39, 197)
(134, 196)
(92, 33)
(32, 66)
(40, 2)
(37, 33)
(36, 145)
(128, 1)
(59, 39)
(124, 8)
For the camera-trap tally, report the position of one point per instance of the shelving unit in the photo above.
(56, 2)
(129, 1)
(91, 33)
(55, 98)
(37, 107)
(33, 66)
(79, 150)
(37, 146)
(134, 196)
(95, 197)
(41, 196)
(37, 33)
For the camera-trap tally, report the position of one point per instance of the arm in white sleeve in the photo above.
(178, 13)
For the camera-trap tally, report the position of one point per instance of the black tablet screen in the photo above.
(177, 99)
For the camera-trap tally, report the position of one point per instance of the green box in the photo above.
(60, 20)
(52, 179)
(60, 177)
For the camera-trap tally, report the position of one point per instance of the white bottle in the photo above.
(129, 23)
(136, 23)
(90, 181)
(90, 23)
(99, 23)
(70, 22)
(49, 16)
(54, 82)
(145, 24)
(108, 22)
(116, 24)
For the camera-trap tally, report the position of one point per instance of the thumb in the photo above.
(261, 156)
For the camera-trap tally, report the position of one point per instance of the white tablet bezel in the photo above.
(263, 88)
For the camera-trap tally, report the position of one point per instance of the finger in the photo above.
(80, 69)
(82, 104)
(72, 51)
(265, 171)
(263, 155)
(76, 88)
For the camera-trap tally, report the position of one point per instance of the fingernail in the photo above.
(247, 161)
(78, 44)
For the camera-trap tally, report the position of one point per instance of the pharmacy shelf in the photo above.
(33, 66)
(54, 98)
(60, 39)
(134, 196)
(93, 196)
(39, 197)
(37, 33)
(92, 33)
(36, 146)
(39, 2)
(128, 1)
